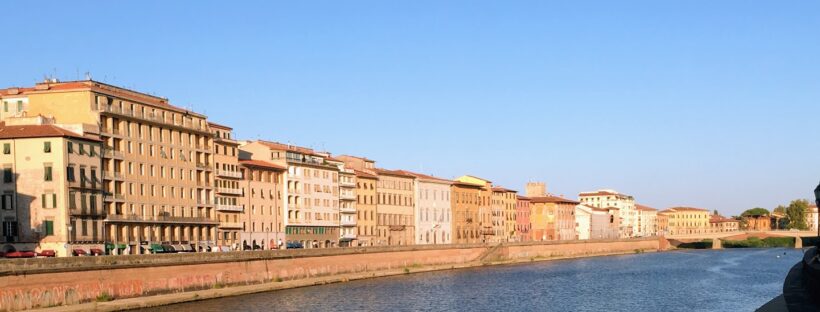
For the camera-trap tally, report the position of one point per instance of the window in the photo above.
(69, 173)
(72, 200)
(47, 174)
(6, 148)
(9, 228)
(70, 146)
(48, 227)
(7, 175)
(47, 147)
(6, 202)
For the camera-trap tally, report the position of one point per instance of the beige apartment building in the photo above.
(347, 206)
(157, 171)
(311, 199)
(485, 210)
(504, 213)
(609, 198)
(433, 217)
(366, 198)
(227, 188)
(262, 219)
(51, 188)
(395, 207)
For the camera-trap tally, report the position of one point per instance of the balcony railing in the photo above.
(230, 225)
(225, 190)
(230, 174)
(160, 219)
(112, 175)
(347, 210)
(86, 212)
(349, 196)
(348, 236)
(203, 165)
(348, 222)
(347, 183)
(110, 153)
(233, 208)
(397, 227)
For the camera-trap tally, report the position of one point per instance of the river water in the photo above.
(696, 280)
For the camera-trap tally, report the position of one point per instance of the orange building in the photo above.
(465, 198)
(552, 218)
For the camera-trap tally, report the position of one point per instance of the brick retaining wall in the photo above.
(31, 283)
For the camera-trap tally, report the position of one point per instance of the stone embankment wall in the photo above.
(32, 283)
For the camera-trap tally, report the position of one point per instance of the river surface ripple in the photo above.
(696, 280)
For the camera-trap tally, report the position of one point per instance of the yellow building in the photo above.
(366, 197)
(485, 209)
(686, 220)
(504, 215)
(464, 200)
(51, 188)
(157, 162)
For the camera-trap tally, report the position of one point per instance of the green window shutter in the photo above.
(43, 202)
(47, 147)
(49, 227)
(6, 148)
(54, 200)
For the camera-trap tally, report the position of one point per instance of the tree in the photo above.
(755, 212)
(780, 210)
(796, 213)
(715, 212)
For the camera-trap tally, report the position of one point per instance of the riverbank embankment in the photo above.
(126, 282)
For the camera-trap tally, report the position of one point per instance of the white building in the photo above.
(647, 222)
(433, 215)
(607, 198)
(583, 221)
(811, 217)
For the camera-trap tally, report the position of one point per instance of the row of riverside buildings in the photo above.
(92, 168)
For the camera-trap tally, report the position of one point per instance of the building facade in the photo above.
(647, 221)
(311, 199)
(395, 208)
(721, 224)
(486, 229)
(522, 219)
(687, 220)
(464, 201)
(262, 221)
(606, 198)
(157, 171)
(553, 218)
(51, 189)
(366, 198)
(504, 203)
(433, 217)
(228, 193)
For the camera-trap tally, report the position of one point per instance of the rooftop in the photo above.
(260, 163)
(644, 208)
(39, 131)
(424, 177)
(553, 199)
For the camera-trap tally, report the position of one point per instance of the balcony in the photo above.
(229, 174)
(347, 184)
(86, 212)
(160, 219)
(231, 208)
(111, 153)
(114, 197)
(230, 225)
(203, 165)
(397, 227)
(348, 223)
(112, 175)
(347, 196)
(348, 236)
(347, 210)
(232, 191)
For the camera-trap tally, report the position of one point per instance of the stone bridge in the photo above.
(718, 237)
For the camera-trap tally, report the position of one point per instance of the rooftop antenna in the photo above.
(87, 75)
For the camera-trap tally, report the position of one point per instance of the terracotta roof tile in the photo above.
(39, 131)
(260, 163)
(398, 173)
(421, 176)
(552, 199)
(644, 208)
(364, 174)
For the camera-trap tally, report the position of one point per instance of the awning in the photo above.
(157, 248)
(96, 251)
(187, 247)
(109, 246)
(121, 246)
(79, 252)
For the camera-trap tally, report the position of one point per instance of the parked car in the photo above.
(295, 245)
(21, 254)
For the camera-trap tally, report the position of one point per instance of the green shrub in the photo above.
(103, 297)
(756, 242)
(704, 244)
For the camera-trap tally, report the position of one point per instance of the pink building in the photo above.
(522, 221)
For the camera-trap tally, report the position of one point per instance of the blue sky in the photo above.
(712, 104)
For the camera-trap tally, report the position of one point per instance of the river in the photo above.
(695, 280)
